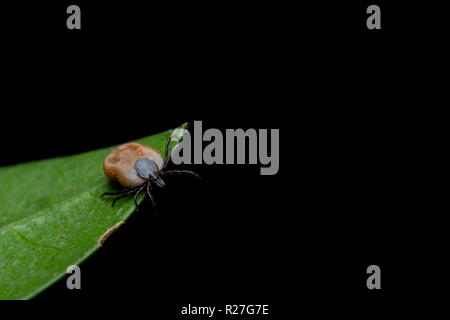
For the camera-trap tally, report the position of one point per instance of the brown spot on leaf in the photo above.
(109, 232)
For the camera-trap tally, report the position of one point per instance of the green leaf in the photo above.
(52, 216)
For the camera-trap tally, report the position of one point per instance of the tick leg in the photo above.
(150, 194)
(149, 188)
(166, 152)
(125, 194)
(136, 195)
(114, 193)
(118, 198)
(180, 172)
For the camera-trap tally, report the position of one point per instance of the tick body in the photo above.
(137, 168)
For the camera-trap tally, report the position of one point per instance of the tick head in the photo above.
(159, 181)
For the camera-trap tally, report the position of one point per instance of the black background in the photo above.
(302, 239)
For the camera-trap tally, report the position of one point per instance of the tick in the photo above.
(137, 168)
